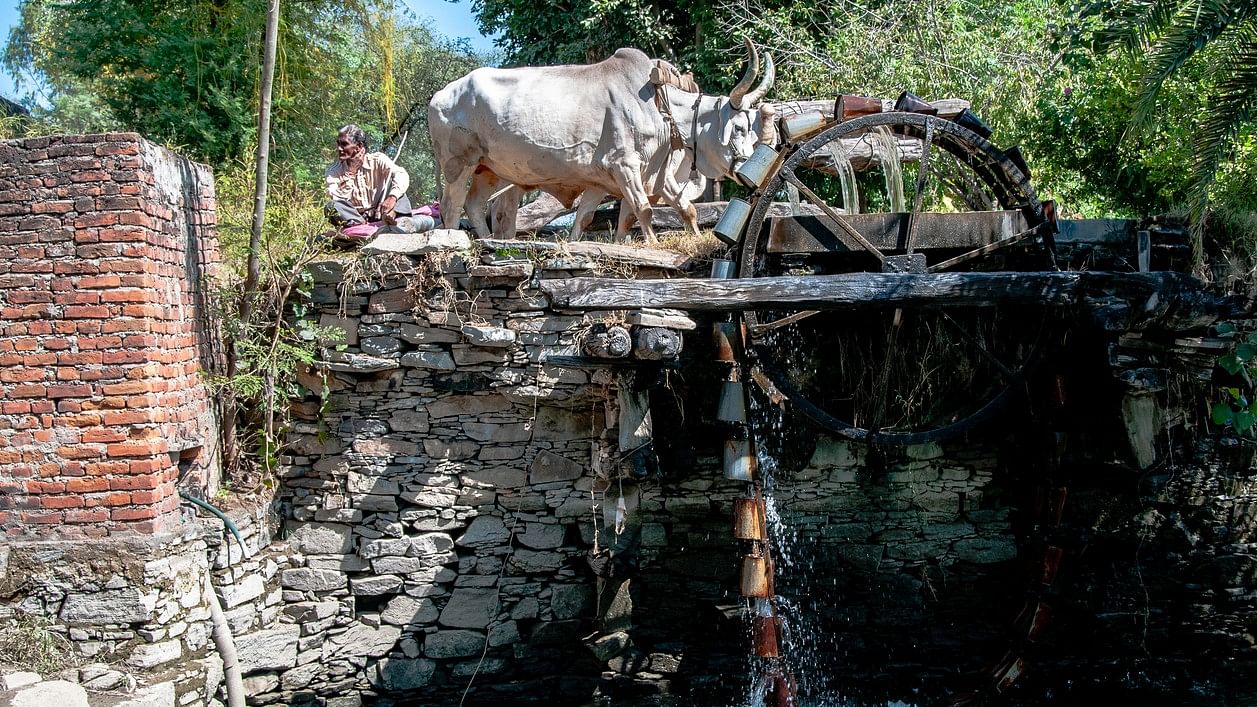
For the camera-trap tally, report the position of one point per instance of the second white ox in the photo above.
(591, 129)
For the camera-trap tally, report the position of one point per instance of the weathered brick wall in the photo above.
(105, 243)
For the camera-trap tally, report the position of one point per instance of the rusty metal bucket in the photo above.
(740, 463)
(749, 522)
(757, 577)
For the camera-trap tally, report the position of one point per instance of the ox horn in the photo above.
(770, 75)
(738, 93)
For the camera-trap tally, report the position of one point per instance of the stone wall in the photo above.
(458, 512)
(103, 259)
(450, 512)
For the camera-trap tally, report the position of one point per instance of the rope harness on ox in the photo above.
(662, 76)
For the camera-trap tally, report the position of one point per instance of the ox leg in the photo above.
(629, 177)
(454, 196)
(625, 221)
(674, 190)
(483, 184)
(505, 210)
(589, 202)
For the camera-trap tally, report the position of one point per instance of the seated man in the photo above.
(366, 186)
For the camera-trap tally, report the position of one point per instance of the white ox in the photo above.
(589, 131)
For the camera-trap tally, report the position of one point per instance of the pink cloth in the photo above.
(359, 231)
(433, 210)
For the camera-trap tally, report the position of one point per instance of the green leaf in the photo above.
(1252, 338)
(1234, 393)
(1222, 413)
(1227, 328)
(1244, 421)
(1230, 363)
(1246, 351)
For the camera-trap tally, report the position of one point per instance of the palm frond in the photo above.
(1232, 107)
(1129, 25)
(1196, 23)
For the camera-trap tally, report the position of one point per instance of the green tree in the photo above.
(1170, 38)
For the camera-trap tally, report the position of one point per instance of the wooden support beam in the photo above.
(889, 231)
(1167, 299)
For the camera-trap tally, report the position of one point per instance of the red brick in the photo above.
(62, 502)
(113, 402)
(104, 435)
(99, 281)
(21, 375)
(123, 357)
(104, 374)
(15, 407)
(30, 296)
(145, 466)
(139, 482)
(113, 498)
(80, 452)
(41, 518)
(149, 497)
(67, 390)
(95, 220)
(52, 207)
(81, 358)
(128, 388)
(93, 515)
(91, 177)
(56, 343)
(129, 295)
(146, 448)
(78, 298)
(45, 487)
(87, 484)
(27, 391)
(114, 149)
(87, 312)
(135, 218)
(144, 513)
(146, 311)
(87, 419)
(128, 417)
(107, 468)
(67, 374)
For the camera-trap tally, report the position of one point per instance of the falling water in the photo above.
(803, 640)
(840, 158)
(886, 148)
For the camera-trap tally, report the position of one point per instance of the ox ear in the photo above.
(738, 94)
(770, 75)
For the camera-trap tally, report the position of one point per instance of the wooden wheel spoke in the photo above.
(985, 250)
(923, 168)
(789, 176)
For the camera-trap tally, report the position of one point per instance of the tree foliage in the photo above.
(1168, 39)
(185, 72)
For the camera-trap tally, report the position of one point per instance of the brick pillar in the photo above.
(106, 242)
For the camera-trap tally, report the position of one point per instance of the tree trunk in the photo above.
(253, 274)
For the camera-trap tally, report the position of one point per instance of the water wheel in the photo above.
(896, 376)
